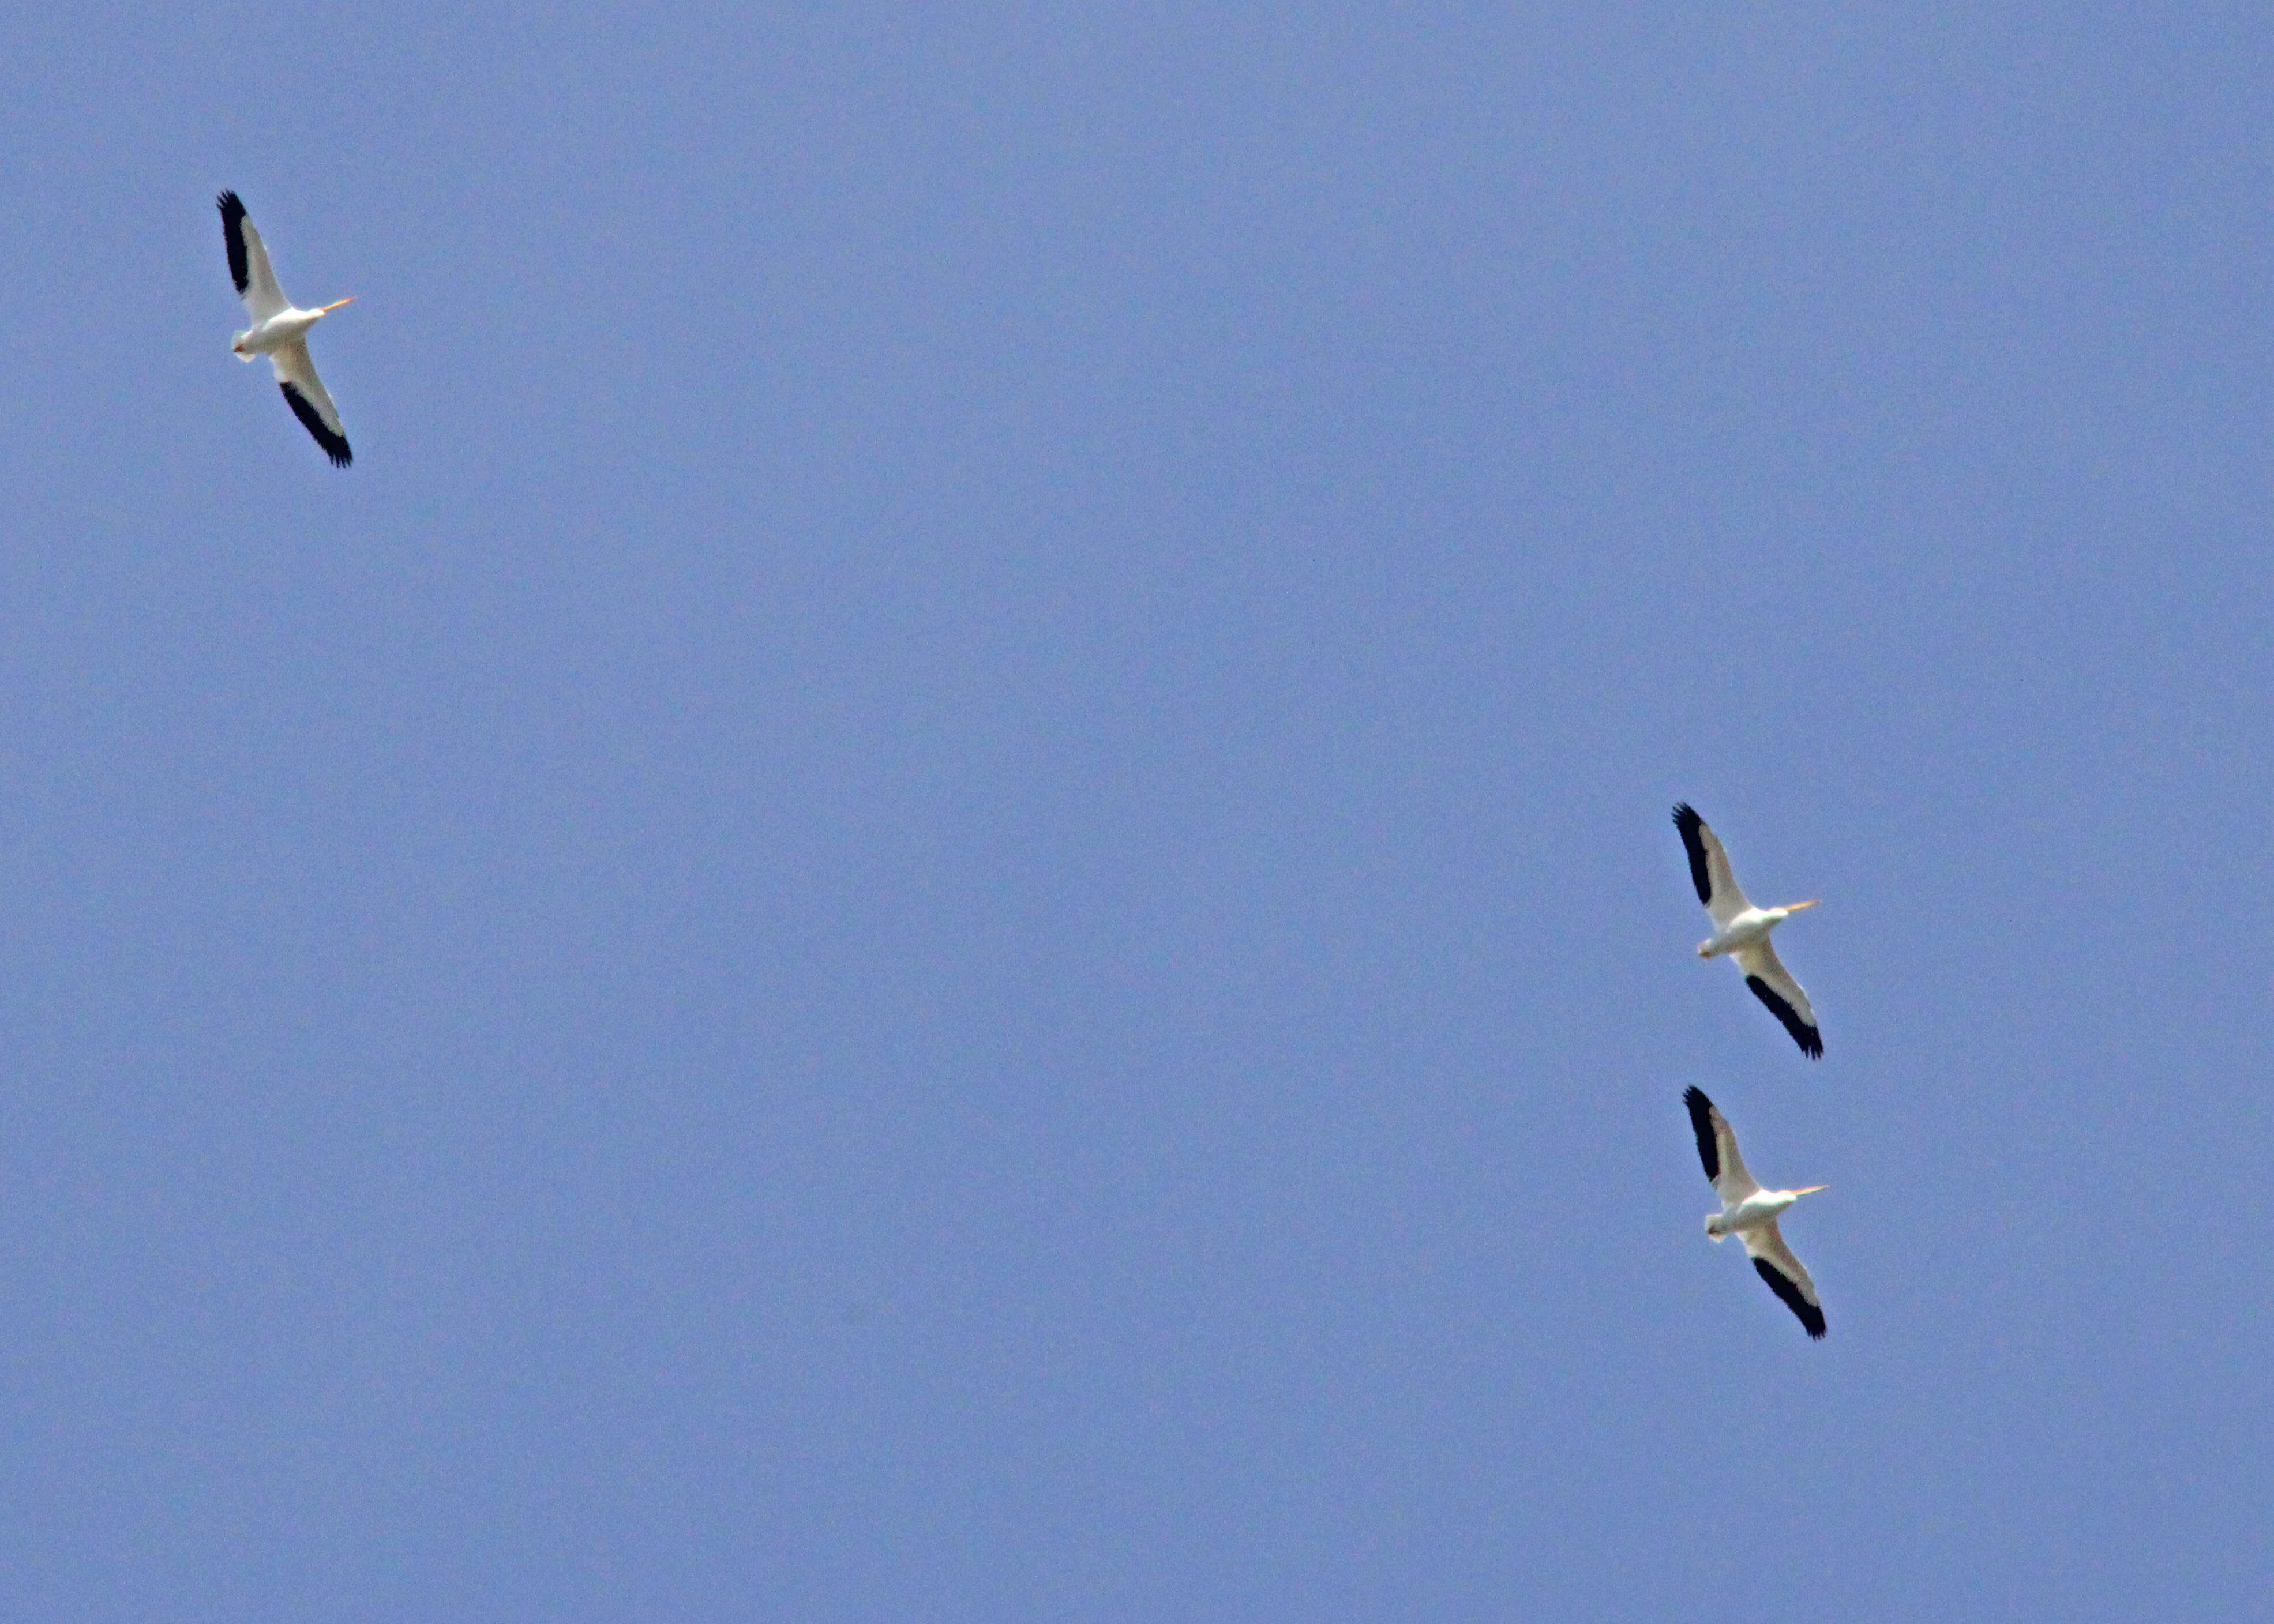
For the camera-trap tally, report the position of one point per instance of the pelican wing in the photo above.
(1774, 1262)
(1709, 868)
(1773, 985)
(248, 262)
(304, 392)
(1717, 1149)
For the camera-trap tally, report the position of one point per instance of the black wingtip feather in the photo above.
(1810, 1041)
(232, 232)
(1811, 1317)
(1686, 820)
(335, 446)
(1701, 1123)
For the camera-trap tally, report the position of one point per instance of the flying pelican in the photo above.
(1743, 930)
(280, 332)
(1750, 1212)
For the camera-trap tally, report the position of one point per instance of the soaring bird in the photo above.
(1743, 930)
(280, 332)
(1750, 1212)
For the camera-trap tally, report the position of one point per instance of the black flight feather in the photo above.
(1810, 1041)
(1701, 1122)
(232, 231)
(335, 446)
(1686, 819)
(1810, 1315)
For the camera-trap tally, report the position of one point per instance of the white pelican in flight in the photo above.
(280, 332)
(1750, 1212)
(1743, 930)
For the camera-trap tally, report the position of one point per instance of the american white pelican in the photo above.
(280, 332)
(1743, 930)
(1750, 1212)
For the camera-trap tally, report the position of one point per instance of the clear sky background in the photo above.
(944, 891)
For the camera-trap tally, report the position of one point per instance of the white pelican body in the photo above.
(1762, 1207)
(279, 331)
(1749, 1213)
(1742, 931)
(1749, 928)
(286, 327)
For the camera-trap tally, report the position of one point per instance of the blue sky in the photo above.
(944, 891)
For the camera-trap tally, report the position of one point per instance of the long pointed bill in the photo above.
(1812, 1189)
(349, 300)
(1794, 908)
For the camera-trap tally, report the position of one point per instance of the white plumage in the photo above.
(1742, 931)
(1749, 1213)
(280, 332)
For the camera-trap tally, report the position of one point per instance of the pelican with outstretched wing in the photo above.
(1742, 931)
(1749, 1213)
(280, 332)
